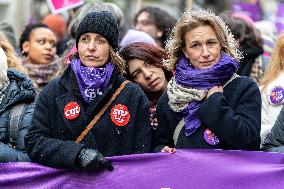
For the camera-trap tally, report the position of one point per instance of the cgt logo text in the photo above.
(72, 112)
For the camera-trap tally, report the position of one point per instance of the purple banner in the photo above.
(184, 169)
(253, 10)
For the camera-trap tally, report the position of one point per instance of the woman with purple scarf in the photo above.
(91, 111)
(206, 105)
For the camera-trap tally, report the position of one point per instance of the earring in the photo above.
(159, 34)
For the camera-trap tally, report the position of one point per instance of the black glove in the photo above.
(92, 160)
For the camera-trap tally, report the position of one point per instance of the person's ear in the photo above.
(25, 47)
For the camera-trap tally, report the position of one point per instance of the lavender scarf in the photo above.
(91, 80)
(202, 79)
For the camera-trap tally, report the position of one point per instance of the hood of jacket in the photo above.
(20, 90)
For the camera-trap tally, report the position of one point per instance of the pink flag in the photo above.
(57, 6)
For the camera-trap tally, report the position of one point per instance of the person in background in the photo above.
(12, 59)
(267, 30)
(84, 98)
(58, 25)
(17, 97)
(144, 66)
(156, 22)
(9, 33)
(250, 44)
(119, 16)
(38, 46)
(206, 105)
(272, 89)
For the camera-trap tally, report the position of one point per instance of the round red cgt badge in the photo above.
(120, 115)
(71, 110)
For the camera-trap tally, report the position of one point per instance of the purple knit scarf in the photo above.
(91, 80)
(203, 79)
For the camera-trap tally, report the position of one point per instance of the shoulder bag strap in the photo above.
(177, 131)
(97, 117)
(15, 116)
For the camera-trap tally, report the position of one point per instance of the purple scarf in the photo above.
(203, 79)
(91, 80)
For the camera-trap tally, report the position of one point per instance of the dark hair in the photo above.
(245, 33)
(25, 36)
(161, 19)
(144, 51)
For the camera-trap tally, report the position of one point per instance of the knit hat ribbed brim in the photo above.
(102, 23)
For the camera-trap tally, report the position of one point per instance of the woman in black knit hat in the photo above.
(90, 111)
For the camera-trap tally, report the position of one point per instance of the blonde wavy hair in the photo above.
(12, 60)
(191, 20)
(276, 65)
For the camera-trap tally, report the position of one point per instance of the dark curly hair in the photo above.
(25, 36)
(144, 51)
(161, 19)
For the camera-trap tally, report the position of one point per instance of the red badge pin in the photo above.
(120, 115)
(71, 110)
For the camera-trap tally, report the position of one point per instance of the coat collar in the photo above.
(68, 80)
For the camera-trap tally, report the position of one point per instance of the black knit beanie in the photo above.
(102, 23)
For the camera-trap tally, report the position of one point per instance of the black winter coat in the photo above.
(234, 116)
(20, 90)
(50, 141)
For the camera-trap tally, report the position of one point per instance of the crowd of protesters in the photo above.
(74, 92)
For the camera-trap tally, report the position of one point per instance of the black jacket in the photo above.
(50, 141)
(234, 116)
(20, 90)
(275, 140)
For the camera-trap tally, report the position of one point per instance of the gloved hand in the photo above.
(92, 160)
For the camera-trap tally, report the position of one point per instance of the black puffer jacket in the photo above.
(20, 90)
